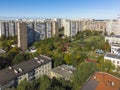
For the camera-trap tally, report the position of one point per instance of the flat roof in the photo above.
(117, 45)
(9, 74)
(64, 70)
(2, 51)
(116, 36)
(111, 55)
(102, 81)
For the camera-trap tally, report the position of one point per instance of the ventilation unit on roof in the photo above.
(42, 60)
(38, 61)
(94, 77)
(16, 71)
(20, 69)
(70, 71)
(112, 84)
(10, 67)
(58, 67)
(35, 58)
(63, 68)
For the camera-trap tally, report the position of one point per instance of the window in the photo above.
(117, 62)
(113, 61)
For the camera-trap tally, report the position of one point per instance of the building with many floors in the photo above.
(40, 30)
(22, 36)
(70, 28)
(30, 32)
(113, 26)
(8, 28)
(48, 29)
(29, 70)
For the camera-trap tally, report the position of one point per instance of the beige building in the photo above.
(63, 71)
(22, 35)
(114, 58)
(54, 28)
(113, 39)
(91, 24)
(29, 70)
(113, 26)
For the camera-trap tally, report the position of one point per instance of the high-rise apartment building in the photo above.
(22, 35)
(31, 33)
(66, 28)
(70, 28)
(12, 28)
(8, 28)
(48, 29)
(91, 24)
(40, 30)
(113, 26)
(54, 28)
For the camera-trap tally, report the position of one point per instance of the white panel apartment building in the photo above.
(40, 30)
(70, 28)
(113, 26)
(48, 29)
(114, 55)
(8, 28)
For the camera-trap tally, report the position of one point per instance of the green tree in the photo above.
(106, 66)
(82, 73)
(67, 58)
(45, 83)
(24, 85)
(20, 57)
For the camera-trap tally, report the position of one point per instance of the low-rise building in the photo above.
(29, 70)
(115, 48)
(114, 55)
(63, 71)
(114, 58)
(102, 81)
(113, 39)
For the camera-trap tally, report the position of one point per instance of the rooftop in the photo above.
(111, 55)
(2, 51)
(116, 45)
(64, 70)
(116, 36)
(102, 81)
(17, 70)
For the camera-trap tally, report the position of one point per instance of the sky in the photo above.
(98, 9)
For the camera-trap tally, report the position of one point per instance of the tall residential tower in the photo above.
(22, 36)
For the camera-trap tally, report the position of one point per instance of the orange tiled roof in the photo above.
(107, 81)
(102, 81)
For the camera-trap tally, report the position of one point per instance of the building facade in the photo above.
(113, 39)
(114, 55)
(22, 36)
(8, 28)
(63, 71)
(48, 29)
(29, 70)
(30, 32)
(113, 26)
